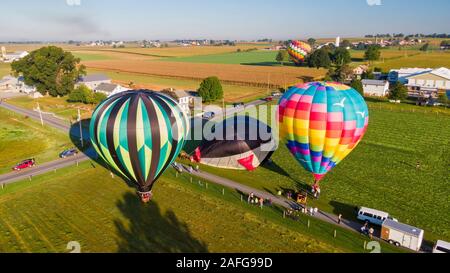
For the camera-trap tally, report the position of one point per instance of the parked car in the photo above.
(268, 99)
(402, 235)
(209, 115)
(177, 167)
(277, 94)
(441, 247)
(373, 216)
(68, 153)
(238, 104)
(29, 163)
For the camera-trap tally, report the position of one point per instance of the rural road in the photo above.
(280, 201)
(61, 163)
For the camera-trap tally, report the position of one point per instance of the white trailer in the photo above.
(402, 235)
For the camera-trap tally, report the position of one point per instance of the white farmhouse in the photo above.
(109, 89)
(185, 99)
(375, 88)
(93, 81)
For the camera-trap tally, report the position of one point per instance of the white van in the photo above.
(373, 216)
(441, 247)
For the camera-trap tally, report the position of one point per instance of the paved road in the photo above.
(48, 119)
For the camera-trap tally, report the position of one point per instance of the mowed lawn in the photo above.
(22, 138)
(58, 106)
(254, 57)
(381, 172)
(84, 204)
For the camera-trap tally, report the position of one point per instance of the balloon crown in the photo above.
(325, 85)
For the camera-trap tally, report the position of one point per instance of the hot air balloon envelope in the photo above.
(322, 123)
(298, 51)
(139, 134)
(240, 143)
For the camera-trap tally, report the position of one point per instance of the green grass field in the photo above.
(381, 172)
(58, 106)
(254, 58)
(105, 215)
(22, 138)
(85, 56)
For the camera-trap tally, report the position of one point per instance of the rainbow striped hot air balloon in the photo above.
(298, 51)
(139, 134)
(322, 123)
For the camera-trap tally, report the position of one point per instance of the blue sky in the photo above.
(217, 19)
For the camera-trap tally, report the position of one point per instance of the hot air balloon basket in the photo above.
(146, 197)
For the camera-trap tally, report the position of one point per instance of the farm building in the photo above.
(109, 89)
(401, 75)
(429, 83)
(9, 58)
(8, 82)
(93, 81)
(375, 88)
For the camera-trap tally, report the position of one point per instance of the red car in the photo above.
(269, 99)
(25, 165)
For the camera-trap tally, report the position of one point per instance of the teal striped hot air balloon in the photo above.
(139, 134)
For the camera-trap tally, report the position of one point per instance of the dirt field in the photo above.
(239, 74)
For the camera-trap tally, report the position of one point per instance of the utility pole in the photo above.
(81, 128)
(268, 84)
(40, 115)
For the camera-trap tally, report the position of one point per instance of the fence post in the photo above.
(241, 198)
(191, 179)
(30, 177)
(309, 223)
(3, 185)
(223, 191)
(365, 245)
(206, 185)
(335, 233)
(284, 214)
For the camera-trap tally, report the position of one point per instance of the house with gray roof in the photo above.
(109, 89)
(93, 81)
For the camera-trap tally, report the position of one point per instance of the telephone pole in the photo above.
(81, 128)
(40, 114)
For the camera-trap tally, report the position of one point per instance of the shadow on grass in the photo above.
(89, 151)
(195, 137)
(348, 211)
(148, 230)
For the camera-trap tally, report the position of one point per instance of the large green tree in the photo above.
(398, 92)
(372, 53)
(341, 56)
(210, 89)
(51, 70)
(320, 58)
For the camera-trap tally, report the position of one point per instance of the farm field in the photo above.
(5, 69)
(434, 59)
(178, 51)
(239, 74)
(232, 93)
(22, 138)
(264, 58)
(107, 216)
(381, 173)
